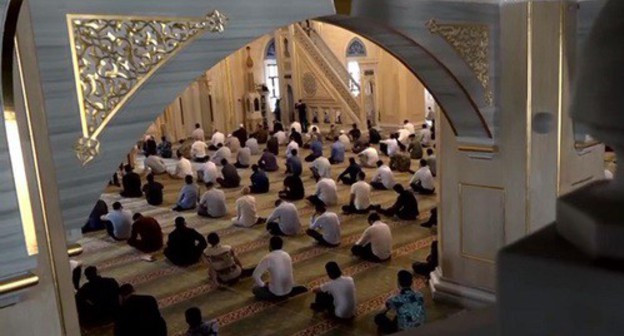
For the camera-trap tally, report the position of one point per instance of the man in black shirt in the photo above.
(303, 116)
(273, 145)
(405, 207)
(97, 300)
(131, 183)
(185, 245)
(373, 136)
(293, 188)
(296, 136)
(241, 134)
(355, 133)
(138, 315)
(350, 175)
(259, 181)
(230, 179)
(153, 191)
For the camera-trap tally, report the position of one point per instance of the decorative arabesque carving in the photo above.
(309, 84)
(114, 55)
(472, 42)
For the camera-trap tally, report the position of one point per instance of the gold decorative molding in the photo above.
(472, 42)
(74, 250)
(114, 55)
(18, 283)
(477, 148)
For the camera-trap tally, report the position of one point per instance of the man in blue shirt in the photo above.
(338, 150)
(188, 195)
(317, 150)
(408, 305)
(293, 164)
(259, 181)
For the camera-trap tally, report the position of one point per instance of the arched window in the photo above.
(271, 73)
(356, 48)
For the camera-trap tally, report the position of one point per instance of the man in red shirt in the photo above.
(146, 234)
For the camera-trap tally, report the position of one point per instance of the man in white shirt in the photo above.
(217, 138)
(281, 137)
(284, 220)
(346, 141)
(183, 168)
(198, 151)
(296, 125)
(431, 161)
(408, 126)
(209, 172)
(232, 143)
(336, 296)
(328, 223)
(326, 193)
(369, 157)
(392, 145)
(321, 167)
(246, 215)
(426, 136)
(119, 222)
(360, 197)
(383, 178)
(243, 158)
(198, 133)
(375, 244)
(292, 145)
(155, 164)
(422, 182)
(252, 144)
(403, 136)
(279, 266)
(212, 203)
(222, 152)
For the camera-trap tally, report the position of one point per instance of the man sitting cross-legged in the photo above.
(408, 305)
(350, 175)
(328, 223)
(259, 181)
(185, 245)
(189, 195)
(246, 215)
(326, 193)
(336, 296)
(284, 220)
(225, 268)
(405, 207)
(146, 235)
(375, 244)
(230, 179)
(293, 188)
(98, 299)
(383, 178)
(268, 161)
(212, 203)
(360, 197)
(279, 266)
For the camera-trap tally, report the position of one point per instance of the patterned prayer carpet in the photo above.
(177, 289)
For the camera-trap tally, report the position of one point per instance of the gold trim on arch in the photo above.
(113, 56)
(18, 283)
(477, 149)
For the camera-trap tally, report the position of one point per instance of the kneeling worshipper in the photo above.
(209, 172)
(278, 264)
(259, 181)
(336, 296)
(292, 146)
(282, 140)
(185, 245)
(243, 158)
(147, 235)
(321, 168)
(222, 153)
(408, 307)
(401, 162)
(383, 178)
(293, 164)
(97, 300)
(422, 182)
(131, 183)
(225, 268)
(369, 157)
(414, 148)
(317, 150)
(212, 203)
(373, 136)
(375, 244)
(246, 214)
(189, 195)
(154, 164)
(431, 161)
(164, 148)
(360, 197)
(183, 167)
(232, 143)
(338, 151)
(240, 134)
(293, 188)
(153, 191)
(197, 326)
(230, 179)
(119, 222)
(344, 138)
(284, 220)
(326, 193)
(268, 161)
(95, 221)
(199, 151)
(252, 144)
(138, 315)
(425, 268)
(329, 225)
(405, 207)
(350, 174)
(217, 138)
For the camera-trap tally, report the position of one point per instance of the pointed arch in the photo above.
(356, 48)
(270, 52)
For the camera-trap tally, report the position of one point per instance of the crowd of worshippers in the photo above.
(97, 299)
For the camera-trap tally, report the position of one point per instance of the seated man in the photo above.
(405, 207)
(374, 136)
(230, 179)
(185, 245)
(118, 222)
(369, 157)
(131, 182)
(293, 188)
(189, 194)
(232, 143)
(261, 134)
(401, 162)
(282, 140)
(212, 203)
(317, 150)
(225, 268)
(153, 191)
(336, 296)
(296, 137)
(268, 161)
(326, 193)
(240, 134)
(375, 244)
(425, 269)
(198, 151)
(332, 134)
(284, 220)
(154, 164)
(433, 219)
(198, 133)
(252, 144)
(259, 181)
(243, 158)
(383, 178)
(338, 151)
(183, 167)
(328, 223)
(199, 327)
(138, 315)
(355, 133)
(95, 221)
(390, 146)
(246, 215)
(346, 141)
(293, 164)
(431, 161)
(426, 139)
(209, 172)
(292, 146)
(146, 235)
(217, 138)
(164, 148)
(98, 299)
(279, 266)
(414, 148)
(350, 175)
(360, 197)
(222, 153)
(408, 306)
(422, 182)
(321, 168)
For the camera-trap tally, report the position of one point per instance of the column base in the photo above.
(447, 291)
